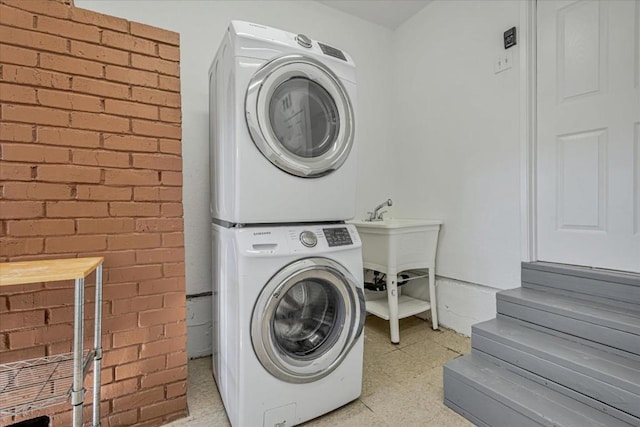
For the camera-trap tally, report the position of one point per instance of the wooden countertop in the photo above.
(23, 272)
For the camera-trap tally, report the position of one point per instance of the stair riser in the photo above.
(600, 334)
(465, 414)
(588, 297)
(606, 316)
(483, 408)
(578, 381)
(623, 416)
(573, 338)
(599, 287)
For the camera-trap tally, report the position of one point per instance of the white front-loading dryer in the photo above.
(282, 128)
(288, 318)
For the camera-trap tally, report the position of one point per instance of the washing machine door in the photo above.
(306, 320)
(300, 116)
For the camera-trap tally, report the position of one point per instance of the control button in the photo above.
(308, 238)
(303, 40)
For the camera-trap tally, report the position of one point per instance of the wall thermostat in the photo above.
(510, 38)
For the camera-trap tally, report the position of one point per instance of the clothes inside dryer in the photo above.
(304, 117)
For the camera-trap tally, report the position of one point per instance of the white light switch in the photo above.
(504, 61)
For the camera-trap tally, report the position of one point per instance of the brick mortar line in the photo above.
(99, 43)
(35, 181)
(99, 79)
(93, 61)
(127, 133)
(110, 168)
(89, 148)
(72, 91)
(102, 112)
(98, 150)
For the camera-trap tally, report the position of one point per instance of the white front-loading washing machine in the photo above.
(288, 318)
(282, 129)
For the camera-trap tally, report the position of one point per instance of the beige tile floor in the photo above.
(402, 384)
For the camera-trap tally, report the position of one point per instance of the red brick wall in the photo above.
(90, 129)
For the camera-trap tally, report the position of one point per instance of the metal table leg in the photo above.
(77, 392)
(97, 346)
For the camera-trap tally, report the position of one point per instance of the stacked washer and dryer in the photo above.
(288, 302)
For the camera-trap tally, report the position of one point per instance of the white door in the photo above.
(588, 158)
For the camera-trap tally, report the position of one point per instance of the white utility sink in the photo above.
(405, 244)
(392, 246)
(394, 223)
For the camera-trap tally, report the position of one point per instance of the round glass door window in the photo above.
(308, 319)
(304, 117)
(299, 116)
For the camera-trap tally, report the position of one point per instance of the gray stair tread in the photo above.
(586, 397)
(627, 278)
(618, 318)
(603, 376)
(533, 400)
(604, 366)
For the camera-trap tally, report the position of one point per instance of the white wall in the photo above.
(457, 148)
(201, 25)
(437, 130)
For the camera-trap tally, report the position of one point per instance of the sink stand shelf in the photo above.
(407, 306)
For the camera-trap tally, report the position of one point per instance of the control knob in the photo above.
(303, 40)
(308, 238)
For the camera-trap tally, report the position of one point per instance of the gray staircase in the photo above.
(564, 350)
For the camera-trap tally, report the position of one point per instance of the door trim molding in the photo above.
(528, 130)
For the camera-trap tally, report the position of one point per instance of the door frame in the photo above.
(528, 130)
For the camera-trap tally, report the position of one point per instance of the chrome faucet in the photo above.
(375, 216)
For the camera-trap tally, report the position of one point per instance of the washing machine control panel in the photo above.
(308, 238)
(311, 238)
(337, 236)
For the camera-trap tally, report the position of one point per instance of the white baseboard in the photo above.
(199, 324)
(460, 304)
(463, 304)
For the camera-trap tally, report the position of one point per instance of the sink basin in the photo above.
(397, 244)
(394, 223)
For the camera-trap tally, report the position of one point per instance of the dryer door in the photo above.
(299, 116)
(307, 319)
